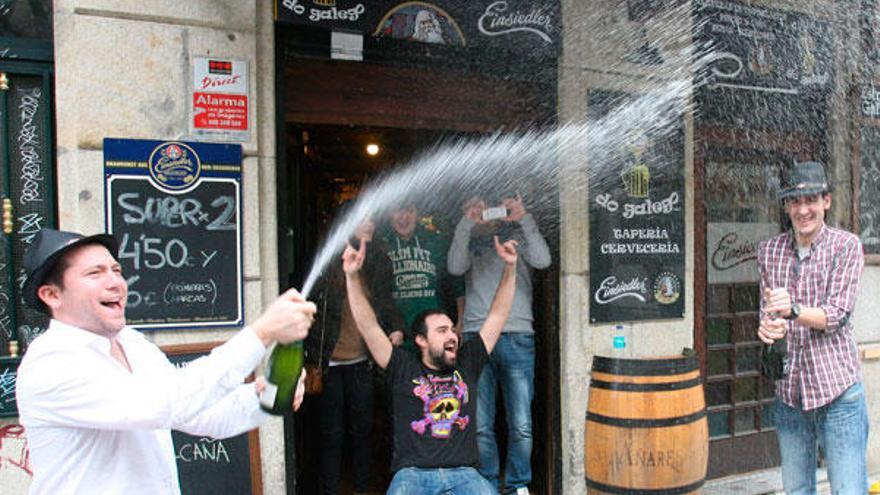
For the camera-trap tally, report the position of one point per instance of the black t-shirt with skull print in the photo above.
(435, 413)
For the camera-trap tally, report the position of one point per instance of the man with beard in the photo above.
(434, 395)
(427, 28)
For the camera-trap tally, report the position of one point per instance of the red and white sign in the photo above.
(220, 98)
(220, 111)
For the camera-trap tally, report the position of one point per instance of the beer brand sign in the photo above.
(500, 18)
(637, 243)
(220, 99)
(522, 27)
(732, 250)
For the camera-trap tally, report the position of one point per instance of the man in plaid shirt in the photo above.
(809, 280)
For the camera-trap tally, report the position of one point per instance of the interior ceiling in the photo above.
(333, 109)
(342, 148)
(327, 92)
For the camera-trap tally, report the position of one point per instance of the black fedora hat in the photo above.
(48, 246)
(803, 179)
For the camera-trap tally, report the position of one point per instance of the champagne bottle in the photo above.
(776, 359)
(285, 365)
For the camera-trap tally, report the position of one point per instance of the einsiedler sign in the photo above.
(175, 208)
(636, 221)
(732, 251)
(526, 27)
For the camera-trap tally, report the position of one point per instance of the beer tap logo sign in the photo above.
(637, 243)
(636, 178)
(174, 166)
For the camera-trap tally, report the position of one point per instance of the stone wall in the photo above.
(124, 70)
(598, 36)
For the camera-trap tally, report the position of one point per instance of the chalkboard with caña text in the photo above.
(175, 208)
(208, 465)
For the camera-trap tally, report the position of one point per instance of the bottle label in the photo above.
(267, 398)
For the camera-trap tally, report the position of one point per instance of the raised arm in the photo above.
(378, 275)
(503, 301)
(364, 316)
(48, 394)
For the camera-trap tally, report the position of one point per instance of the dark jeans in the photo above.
(346, 408)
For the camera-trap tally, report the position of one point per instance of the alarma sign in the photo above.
(220, 99)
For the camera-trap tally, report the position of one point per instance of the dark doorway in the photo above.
(328, 112)
(27, 159)
(27, 189)
(330, 164)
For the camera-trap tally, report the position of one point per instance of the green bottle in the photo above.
(285, 365)
(775, 363)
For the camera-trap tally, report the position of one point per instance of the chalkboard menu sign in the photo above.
(175, 208)
(207, 466)
(766, 50)
(8, 373)
(636, 219)
(869, 189)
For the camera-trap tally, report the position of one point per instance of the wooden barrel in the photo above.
(646, 430)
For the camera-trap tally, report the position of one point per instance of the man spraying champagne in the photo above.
(98, 400)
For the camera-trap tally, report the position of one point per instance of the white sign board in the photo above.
(732, 250)
(220, 99)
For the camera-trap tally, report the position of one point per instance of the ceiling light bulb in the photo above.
(372, 149)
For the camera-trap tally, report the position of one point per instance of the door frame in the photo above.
(45, 71)
(547, 457)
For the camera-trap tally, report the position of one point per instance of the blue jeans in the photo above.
(439, 481)
(512, 364)
(840, 428)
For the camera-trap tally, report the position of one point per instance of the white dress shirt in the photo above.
(94, 427)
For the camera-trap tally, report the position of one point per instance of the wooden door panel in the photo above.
(737, 171)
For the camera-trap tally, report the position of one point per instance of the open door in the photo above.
(330, 111)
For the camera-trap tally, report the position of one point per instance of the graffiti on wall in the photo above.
(15, 465)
